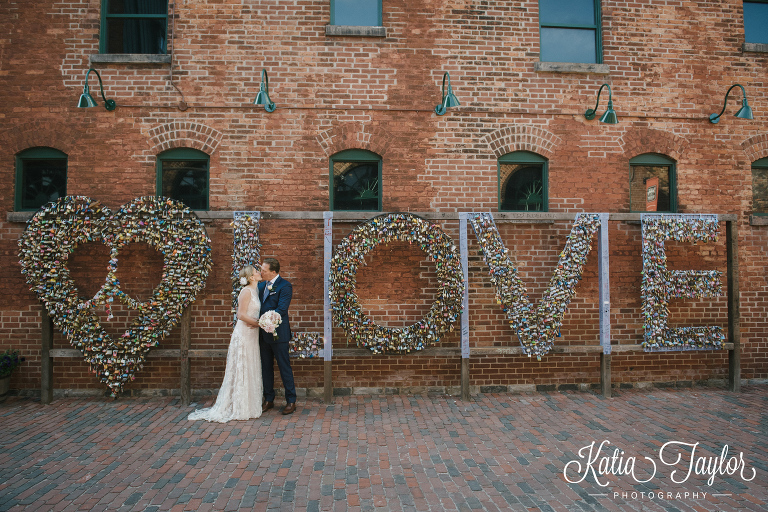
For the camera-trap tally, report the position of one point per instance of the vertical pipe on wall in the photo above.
(604, 298)
(464, 250)
(734, 314)
(327, 318)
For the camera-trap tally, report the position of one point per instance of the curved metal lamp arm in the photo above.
(270, 105)
(263, 97)
(440, 109)
(714, 118)
(108, 104)
(590, 113)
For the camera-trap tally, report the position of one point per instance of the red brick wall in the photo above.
(669, 63)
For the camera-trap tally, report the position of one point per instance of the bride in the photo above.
(242, 390)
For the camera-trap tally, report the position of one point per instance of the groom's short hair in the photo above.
(273, 264)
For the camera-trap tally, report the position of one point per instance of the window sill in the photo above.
(569, 67)
(343, 30)
(758, 220)
(755, 47)
(129, 58)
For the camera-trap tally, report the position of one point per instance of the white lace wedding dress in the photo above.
(242, 391)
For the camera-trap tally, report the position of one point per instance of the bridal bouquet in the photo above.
(269, 322)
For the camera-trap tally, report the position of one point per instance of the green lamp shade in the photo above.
(263, 99)
(86, 101)
(610, 115)
(745, 112)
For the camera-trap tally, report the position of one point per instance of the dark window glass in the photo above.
(185, 180)
(355, 185)
(42, 181)
(135, 26)
(356, 13)
(41, 177)
(137, 7)
(756, 22)
(650, 188)
(522, 187)
(760, 187)
(569, 31)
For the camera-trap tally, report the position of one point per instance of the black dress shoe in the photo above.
(267, 406)
(289, 408)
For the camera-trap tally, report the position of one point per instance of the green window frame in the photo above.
(756, 21)
(41, 177)
(569, 31)
(355, 181)
(643, 168)
(523, 186)
(356, 13)
(134, 27)
(760, 187)
(183, 174)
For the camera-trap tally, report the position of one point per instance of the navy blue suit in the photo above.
(279, 299)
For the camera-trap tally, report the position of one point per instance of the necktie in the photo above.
(266, 291)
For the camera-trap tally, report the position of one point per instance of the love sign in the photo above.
(168, 226)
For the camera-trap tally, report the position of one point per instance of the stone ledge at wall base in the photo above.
(453, 391)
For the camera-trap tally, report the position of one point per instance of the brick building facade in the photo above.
(374, 88)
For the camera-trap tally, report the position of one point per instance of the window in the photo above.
(652, 184)
(360, 13)
(134, 26)
(182, 174)
(41, 177)
(756, 22)
(522, 182)
(760, 187)
(356, 180)
(570, 31)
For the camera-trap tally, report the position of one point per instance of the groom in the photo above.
(275, 293)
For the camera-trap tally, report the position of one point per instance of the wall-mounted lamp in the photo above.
(610, 115)
(449, 100)
(263, 97)
(745, 112)
(87, 101)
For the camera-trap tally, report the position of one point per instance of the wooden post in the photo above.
(605, 374)
(186, 341)
(46, 363)
(734, 314)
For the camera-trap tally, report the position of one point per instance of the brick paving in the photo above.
(386, 453)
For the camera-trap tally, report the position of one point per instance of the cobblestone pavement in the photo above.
(393, 453)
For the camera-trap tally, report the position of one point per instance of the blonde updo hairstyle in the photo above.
(247, 272)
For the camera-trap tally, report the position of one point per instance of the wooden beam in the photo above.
(186, 341)
(46, 363)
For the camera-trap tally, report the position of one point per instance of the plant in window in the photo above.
(532, 197)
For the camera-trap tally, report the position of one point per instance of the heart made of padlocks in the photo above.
(168, 226)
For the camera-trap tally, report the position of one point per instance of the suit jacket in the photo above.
(279, 300)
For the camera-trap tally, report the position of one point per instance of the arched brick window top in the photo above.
(522, 137)
(180, 134)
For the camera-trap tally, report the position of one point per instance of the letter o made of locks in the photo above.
(445, 310)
